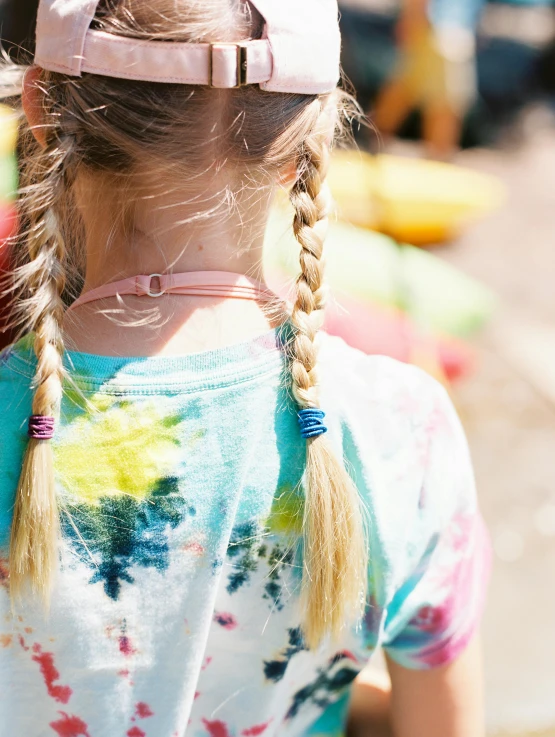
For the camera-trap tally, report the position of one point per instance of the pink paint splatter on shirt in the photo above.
(23, 643)
(126, 647)
(143, 711)
(347, 654)
(445, 624)
(257, 730)
(194, 548)
(206, 663)
(51, 674)
(136, 732)
(227, 621)
(216, 729)
(70, 726)
(432, 619)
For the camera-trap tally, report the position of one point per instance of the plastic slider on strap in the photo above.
(156, 291)
(229, 65)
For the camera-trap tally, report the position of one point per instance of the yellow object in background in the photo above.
(411, 200)
(9, 125)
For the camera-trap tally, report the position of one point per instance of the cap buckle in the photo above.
(242, 64)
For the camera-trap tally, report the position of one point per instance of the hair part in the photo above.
(115, 128)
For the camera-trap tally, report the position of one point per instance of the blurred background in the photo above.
(442, 254)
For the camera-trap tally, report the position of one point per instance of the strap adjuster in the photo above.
(242, 64)
(160, 292)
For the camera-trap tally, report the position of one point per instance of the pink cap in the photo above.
(299, 53)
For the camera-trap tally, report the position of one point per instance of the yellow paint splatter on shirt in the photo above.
(287, 512)
(117, 447)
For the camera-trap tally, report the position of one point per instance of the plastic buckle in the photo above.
(242, 64)
(152, 294)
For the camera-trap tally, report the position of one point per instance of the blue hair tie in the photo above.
(311, 422)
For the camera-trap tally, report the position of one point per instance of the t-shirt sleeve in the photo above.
(437, 604)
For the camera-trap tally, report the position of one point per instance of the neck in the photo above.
(142, 253)
(161, 236)
(168, 235)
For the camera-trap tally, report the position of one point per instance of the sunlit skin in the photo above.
(442, 702)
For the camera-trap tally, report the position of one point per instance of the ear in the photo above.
(287, 176)
(32, 99)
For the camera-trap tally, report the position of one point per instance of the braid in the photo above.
(309, 197)
(335, 550)
(35, 527)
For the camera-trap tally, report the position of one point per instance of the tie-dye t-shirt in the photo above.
(176, 608)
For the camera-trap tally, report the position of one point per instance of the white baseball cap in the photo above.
(299, 52)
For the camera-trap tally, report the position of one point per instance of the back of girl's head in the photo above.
(122, 126)
(126, 133)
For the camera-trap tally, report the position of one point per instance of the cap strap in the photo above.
(221, 65)
(299, 51)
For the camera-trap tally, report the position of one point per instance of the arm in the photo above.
(370, 709)
(425, 613)
(442, 702)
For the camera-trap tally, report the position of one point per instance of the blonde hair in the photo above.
(112, 127)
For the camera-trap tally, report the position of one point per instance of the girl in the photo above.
(186, 549)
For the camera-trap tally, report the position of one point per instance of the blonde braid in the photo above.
(335, 548)
(35, 527)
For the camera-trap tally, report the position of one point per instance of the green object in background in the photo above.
(371, 267)
(8, 178)
(9, 175)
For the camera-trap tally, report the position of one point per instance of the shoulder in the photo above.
(407, 453)
(361, 383)
(401, 436)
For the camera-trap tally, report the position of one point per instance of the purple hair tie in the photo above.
(41, 427)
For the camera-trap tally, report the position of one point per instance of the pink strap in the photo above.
(223, 65)
(194, 284)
